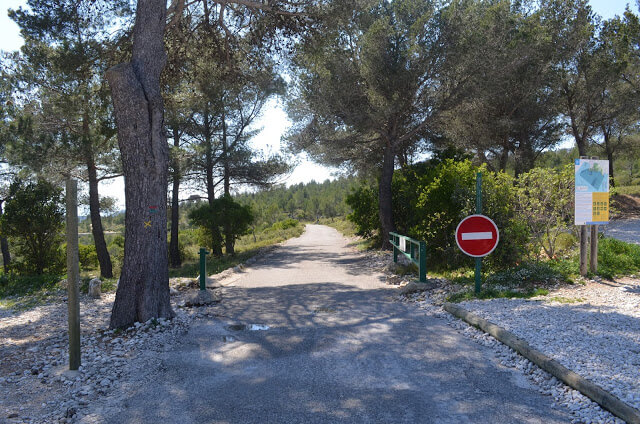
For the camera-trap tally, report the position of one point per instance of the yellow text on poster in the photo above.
(600, 211)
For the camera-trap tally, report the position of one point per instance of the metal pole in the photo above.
(593, 260)
(423, 262)
(73, 273)
(203, 268)
(478, 273)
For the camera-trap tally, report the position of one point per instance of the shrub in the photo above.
(285, 224)
(450, 196)
(617, 258)
(33, 219)
(212, 220)
(364, 203)
(88, 256)
(545, 203)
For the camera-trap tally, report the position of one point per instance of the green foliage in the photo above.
(527, 275)
(213, 218)
(309, 201)
(616, 258)
(449, 196)
(364, 203)
(23, 292)
(545, 202)
(88, 256)
(33, 220)
(286, 224)
(497, 294)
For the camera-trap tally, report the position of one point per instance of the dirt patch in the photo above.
(625, 206)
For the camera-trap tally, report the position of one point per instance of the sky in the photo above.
(274, 121)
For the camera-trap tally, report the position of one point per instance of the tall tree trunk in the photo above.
(175, 261)
(228, 235)
(143, 291)
(102, 252)
(525, 158)
(609, 150)
(216, 237)
(4, 246)
(385, 194)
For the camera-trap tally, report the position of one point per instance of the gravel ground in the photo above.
(592, 329)
(35, 383)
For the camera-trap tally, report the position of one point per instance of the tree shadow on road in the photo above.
(333, 353)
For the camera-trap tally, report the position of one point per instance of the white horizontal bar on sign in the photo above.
(477, 236)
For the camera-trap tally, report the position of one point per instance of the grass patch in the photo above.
(246, 247)
(24, 292)
(17, 285)
(214, 265)
(617, 258)
(109, 285)
(567, 300)
(341, 224)
(632, 190)
(497, 294)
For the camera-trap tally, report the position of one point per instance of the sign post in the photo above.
(477, 235)
(73, 273)
(478, 273)
(591, 205)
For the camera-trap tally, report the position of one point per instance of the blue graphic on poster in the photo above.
(592, 176)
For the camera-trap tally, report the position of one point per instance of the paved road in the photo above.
(626, 230)
(338, 350)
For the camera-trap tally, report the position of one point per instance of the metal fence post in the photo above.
(395, 249)
(422, 268)
(203, 268)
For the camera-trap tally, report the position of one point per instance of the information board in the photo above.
(592, 192)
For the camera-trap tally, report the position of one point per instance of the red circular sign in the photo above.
(477, 235)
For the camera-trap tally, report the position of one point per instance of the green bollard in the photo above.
(203, 268)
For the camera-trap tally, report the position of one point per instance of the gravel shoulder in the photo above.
(592, 329)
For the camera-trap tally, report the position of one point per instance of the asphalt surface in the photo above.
(626, 230)
(339, 349)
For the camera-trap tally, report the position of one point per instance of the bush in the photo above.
(450, 196)
(213, 219)
(545, 203)
(617, 258)
(33, 220)
(285, 224)
(364, 203)
(88, 256)
(527, 275)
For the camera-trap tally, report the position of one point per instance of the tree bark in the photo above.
(143, 291)
(175, 261)
(228, 236)
(216, 241)
(385, 195)
(106, 269)
(4, 246)
(607, 147)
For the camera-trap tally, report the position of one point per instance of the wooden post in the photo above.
(584, 234)
(593, 260)
(73, 273)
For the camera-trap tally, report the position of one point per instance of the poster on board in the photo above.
(592, 192)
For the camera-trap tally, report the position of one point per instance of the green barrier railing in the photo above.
(415, 250)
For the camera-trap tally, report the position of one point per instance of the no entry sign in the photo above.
(477, 235)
